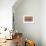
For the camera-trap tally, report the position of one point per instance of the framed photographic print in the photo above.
(28, 19)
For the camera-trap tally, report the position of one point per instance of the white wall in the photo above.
(43, 22)
(32, 30)
(6, 13)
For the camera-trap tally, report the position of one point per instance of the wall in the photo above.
(32, 30)
(43, 22)
(6, 13)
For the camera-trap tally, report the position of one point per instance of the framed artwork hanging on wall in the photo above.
(28, 19)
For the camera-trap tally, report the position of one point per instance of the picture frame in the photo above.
(28, 19)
